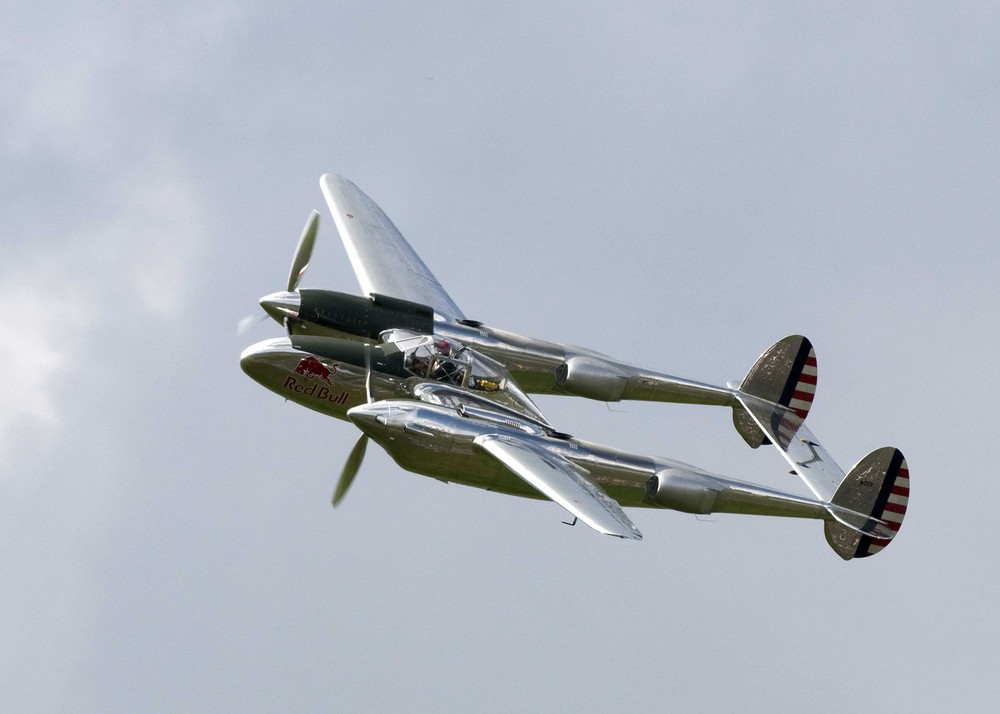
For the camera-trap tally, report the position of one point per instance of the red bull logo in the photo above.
(315, 371)
(311, 367)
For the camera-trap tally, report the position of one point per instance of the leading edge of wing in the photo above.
(383, 261)
(562, 482)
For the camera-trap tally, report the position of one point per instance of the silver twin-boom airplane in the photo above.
(447, 397)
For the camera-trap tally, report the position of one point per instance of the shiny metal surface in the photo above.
(562, 481)
(329, 375)
(797, 444)
(319, 383)
(281, 305)
(443, 445)
(382, 259)
(451, 433)
(537, 366)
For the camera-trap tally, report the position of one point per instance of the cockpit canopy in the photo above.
(448, 362)
(462, 371)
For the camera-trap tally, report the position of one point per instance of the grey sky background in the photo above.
(678, 185)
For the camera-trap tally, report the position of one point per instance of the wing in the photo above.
(383, 261)
(563, 482)
(786, 430)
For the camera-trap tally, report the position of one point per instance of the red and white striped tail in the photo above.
(786, 375)
(879, 486)
(802, 390)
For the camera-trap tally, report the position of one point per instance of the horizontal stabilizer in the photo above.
(785, 429)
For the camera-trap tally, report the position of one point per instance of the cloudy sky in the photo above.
(680, 186)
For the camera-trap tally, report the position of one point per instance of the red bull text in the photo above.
(316, 391)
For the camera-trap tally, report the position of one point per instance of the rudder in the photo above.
(869, 505)
(786, 375)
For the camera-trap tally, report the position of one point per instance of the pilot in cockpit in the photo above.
(445, 370)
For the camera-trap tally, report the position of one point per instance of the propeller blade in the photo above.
(354, 460)
(303, 252)
(249, 322)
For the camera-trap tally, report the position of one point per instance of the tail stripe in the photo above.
(798, 395)
(785, 375)
(872, 547)
(890, 506)
(899, 496)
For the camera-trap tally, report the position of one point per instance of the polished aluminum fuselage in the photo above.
(332, 386)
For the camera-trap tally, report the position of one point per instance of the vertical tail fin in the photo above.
(869, 505)
(786, 375)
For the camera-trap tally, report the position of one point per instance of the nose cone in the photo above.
(281, 305)
(372, 418)
(264, 360)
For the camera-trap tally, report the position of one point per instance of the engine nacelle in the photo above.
(365, 317)
(682, 491)
(593, 378)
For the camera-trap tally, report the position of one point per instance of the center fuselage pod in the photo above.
(329, 386)
(441, 442)
(331, 375)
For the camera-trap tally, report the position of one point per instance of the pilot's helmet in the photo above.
(443, 347)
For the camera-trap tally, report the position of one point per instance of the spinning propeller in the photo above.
(357, 454)
(285, 305)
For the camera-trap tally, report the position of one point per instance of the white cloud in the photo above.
(43, 319)
(141, 260)
(115, 223)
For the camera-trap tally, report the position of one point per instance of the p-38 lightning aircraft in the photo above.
(445, 397)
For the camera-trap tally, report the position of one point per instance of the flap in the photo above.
(565, 483)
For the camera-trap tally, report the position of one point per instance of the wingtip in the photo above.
(629, 533)
(332, 178)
